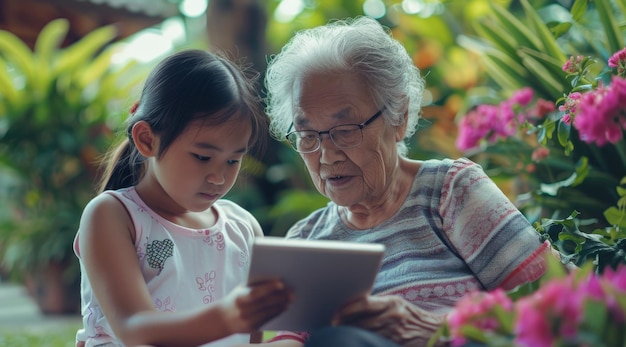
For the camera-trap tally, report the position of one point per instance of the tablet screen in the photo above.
(324, 275)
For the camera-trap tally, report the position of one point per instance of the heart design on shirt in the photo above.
(158, 252)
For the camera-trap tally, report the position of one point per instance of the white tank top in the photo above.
(183, 268)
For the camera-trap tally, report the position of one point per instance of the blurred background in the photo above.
(71, 69)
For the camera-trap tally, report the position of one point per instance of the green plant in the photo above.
(57, 106)
(551, 65)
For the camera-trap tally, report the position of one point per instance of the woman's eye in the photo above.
(201, 157)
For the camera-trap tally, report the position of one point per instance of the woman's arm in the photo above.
(391, 317)
(106, 248)
(282, 343)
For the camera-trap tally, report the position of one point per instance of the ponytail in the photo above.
(123, 167)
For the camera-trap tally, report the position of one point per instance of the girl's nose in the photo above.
(215, 177)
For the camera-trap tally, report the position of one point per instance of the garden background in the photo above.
(499, 77)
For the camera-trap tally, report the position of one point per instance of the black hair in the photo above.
(186, 86)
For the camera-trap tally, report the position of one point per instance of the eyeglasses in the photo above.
(343, 136)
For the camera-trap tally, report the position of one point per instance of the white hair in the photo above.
(360, 45)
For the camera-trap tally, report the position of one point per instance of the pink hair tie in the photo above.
(134, 107)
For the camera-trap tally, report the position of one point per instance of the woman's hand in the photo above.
(246, 308)
(392, 317)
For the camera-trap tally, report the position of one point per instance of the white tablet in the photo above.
(323, 274)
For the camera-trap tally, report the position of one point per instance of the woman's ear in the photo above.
(401, 129)
(145, 140)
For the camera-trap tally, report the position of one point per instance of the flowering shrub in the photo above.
(560, 129)
(581, 308)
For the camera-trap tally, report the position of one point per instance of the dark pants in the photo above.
(347, 336)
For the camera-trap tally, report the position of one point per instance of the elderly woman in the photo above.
(346, 96)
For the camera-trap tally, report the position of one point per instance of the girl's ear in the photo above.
(145, 140)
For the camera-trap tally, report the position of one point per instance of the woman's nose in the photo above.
(329, 152)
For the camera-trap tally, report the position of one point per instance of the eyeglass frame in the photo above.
(320, 133)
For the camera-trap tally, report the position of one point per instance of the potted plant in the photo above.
(57, 108)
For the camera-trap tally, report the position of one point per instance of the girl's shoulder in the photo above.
(231, 211)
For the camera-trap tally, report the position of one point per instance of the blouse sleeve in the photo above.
(492, 236)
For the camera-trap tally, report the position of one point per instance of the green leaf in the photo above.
(473, 333)
(553, 65)
(7, 89)
(578, 9)
(81, 52)
(615, 216)
(17, 53)
(563, 132)
(554, 269)
(595, 316)
(505, 71)
(552, 87)
(551, 48)
(611, 29)
(96, 68)
(560, 29)
(47, 42)
(50, 39)
(497, 36)
(518, 30)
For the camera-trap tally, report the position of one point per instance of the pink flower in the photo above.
(570, 107)
(618, 60)
(617, 278)
(554, 311)
(540, 154)
(494, 122)
(542, 108)
(522, 97)
(573, 64)
(475, 309)
(619, 56)
(601, 113)
(472, 128)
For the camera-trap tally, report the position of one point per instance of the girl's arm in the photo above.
(106, 247)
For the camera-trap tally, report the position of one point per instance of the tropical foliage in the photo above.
(560, 127)
(57, 106)
(559, 122)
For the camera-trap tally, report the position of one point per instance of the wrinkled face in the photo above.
(202, 164)
(359, 175)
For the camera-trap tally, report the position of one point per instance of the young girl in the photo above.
(163, 256)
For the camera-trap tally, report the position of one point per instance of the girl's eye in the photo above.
(201, 157)
(233, 162)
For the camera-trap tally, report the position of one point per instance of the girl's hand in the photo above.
(392, 317)
(246, 308)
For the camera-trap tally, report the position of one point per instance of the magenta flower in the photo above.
(601, 115)
(554, 311)
(570, 107)
(573, 64)
(618, 60)
(617, 278)
(555, 314)
(522, 97)
(494, 122)
(476, 309)
(542, 108)
(540, 154)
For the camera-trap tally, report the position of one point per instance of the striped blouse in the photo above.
(456, 232)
